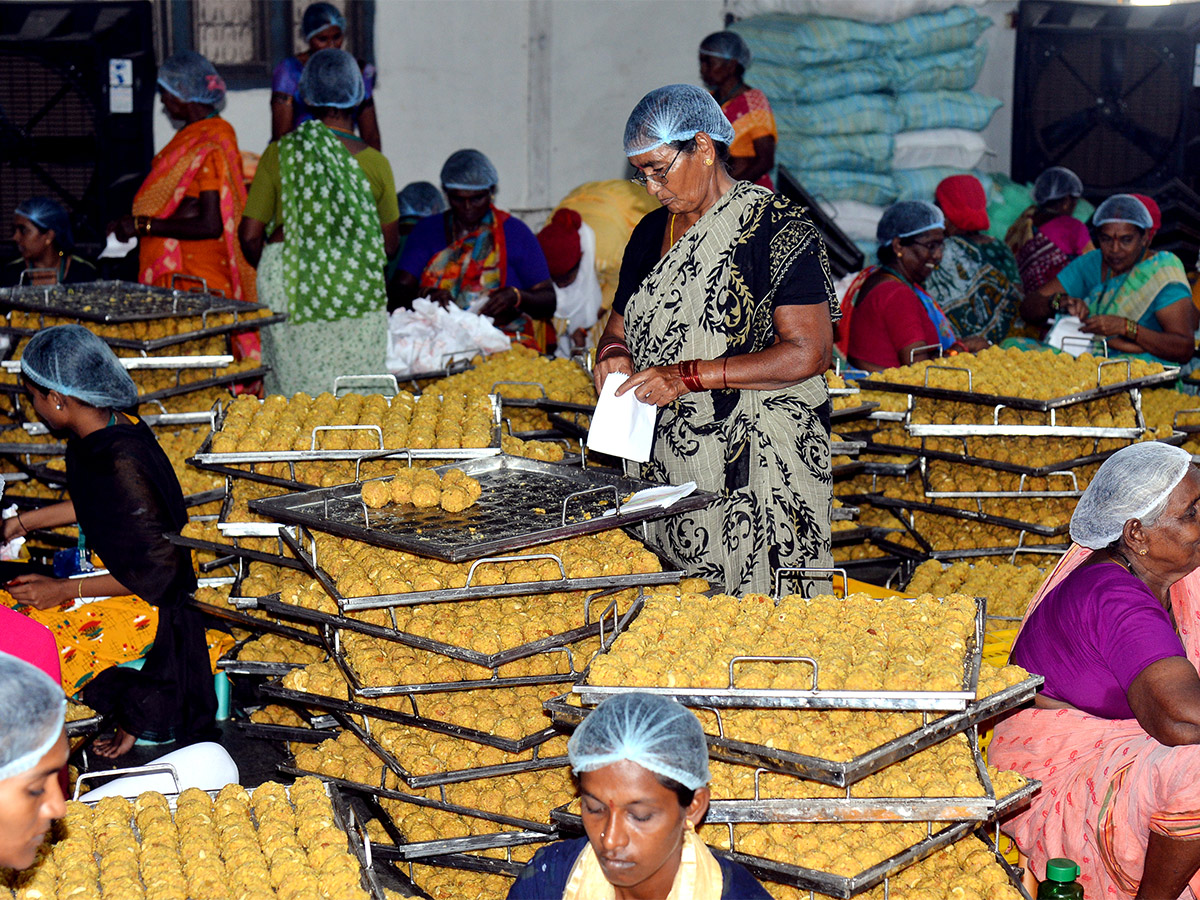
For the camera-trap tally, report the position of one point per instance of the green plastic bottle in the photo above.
(1060, 883)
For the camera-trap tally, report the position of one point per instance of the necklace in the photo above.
(349, 134)
(672, 229)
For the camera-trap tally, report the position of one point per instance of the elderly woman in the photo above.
(722, 319)
(323, 27)
(125, 497)
(1141, 301)
(1114, 732)
(976, 284)
(724, 59)
(480, 257)
(186, 212)
(642, 765)
(320, 222)
(892, 320)
(33, 748)
(42, 233)
(1046, 236)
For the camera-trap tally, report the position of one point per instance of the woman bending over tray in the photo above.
(1115, 732)
(125, 497)
(641, 762)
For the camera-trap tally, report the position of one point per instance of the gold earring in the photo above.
(1141, 553)
(708, 162)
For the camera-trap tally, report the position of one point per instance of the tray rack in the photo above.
(97, 302)
(358, 844)
(572, 502)
(838, 773)
(471, 592)
(205, 455)
(812, 698)
(150, 345)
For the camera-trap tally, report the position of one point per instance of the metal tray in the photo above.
(250, 623)
(970, 396)
(839, 773)
(572, 502)
(82, 727)
(171, 340)
(418, 782)
(206, 456)
(95, 302)
(1068, 478)
(472, 592)
(230, 664)
(896, 503)
(734, 697)
(378, 790)
(273, 604)
(344, 708)
(216, 381)
(845, 887)
(225, 550)
(291, 733)
(850, 413)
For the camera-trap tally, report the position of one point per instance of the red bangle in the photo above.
(725, 373)
(607, 350)
(689, 374)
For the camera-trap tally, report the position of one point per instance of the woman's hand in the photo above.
(441, 297)
(12, 528)
(503, 305)
(1106, 326)
(658, 385)
(1073, 306)
(975, 343)
(124, 228)
(615, 363)
(40, 591)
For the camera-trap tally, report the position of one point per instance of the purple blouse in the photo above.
(1093, 635)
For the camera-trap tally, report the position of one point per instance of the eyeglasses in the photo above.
(930, 247)
(660, 178)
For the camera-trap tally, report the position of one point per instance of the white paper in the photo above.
(655, 498)
(622, 426)
(115, 248)
(1067, 334)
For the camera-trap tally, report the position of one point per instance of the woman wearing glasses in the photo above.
(1137, 299)
(723, 319)
(892, 320)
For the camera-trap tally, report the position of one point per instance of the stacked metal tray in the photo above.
(524, 502)
(121, 301)
(908, 506)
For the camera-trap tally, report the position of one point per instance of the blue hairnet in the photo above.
(332, 78)
(469, 170)
(677, 112)
(48, 215)
(1056, 183)
(73, 361)
(648, 729)
(318, 17)
(32, 709)
(1133, 483)
(192, 78)
(1123, 208)
(727, 45)
(420, 198)
(906, 218)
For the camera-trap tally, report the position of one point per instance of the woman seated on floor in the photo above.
(642, 765)
(1047, 236)
(892, 320)
(976, 284)
(1138, 299)
(1115, 728)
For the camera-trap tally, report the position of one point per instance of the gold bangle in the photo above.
(518, 290)
(1131, 330)
(79, 595)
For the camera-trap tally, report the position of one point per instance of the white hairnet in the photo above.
(469, 170)
(648, 729)
(1133, 483)
(1123, 208)
(32, 709)
(727, 45)
(73, 361)
(191, 78)
(1054, 184)
(906, 218)
(420, 198)
(319, 16)
(49, 215)
(332, 78)
(677, 112)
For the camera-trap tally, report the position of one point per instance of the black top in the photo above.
(127, 498)
(78, 272)
(642, 253)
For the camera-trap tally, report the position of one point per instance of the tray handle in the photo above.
(970, 386)
(52, 273)
(1175, 418)
(611, 608)
(915, 350)
(375, 428)
(182, 276)
(807, 659)
(499, 559)
(537, 384)
(1070, 473)
(1126, 361)
(1087, 344)
(720, 722)
(800, 571)
(349, 382)
(397, 454)
(596, 490)
(150, 769)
